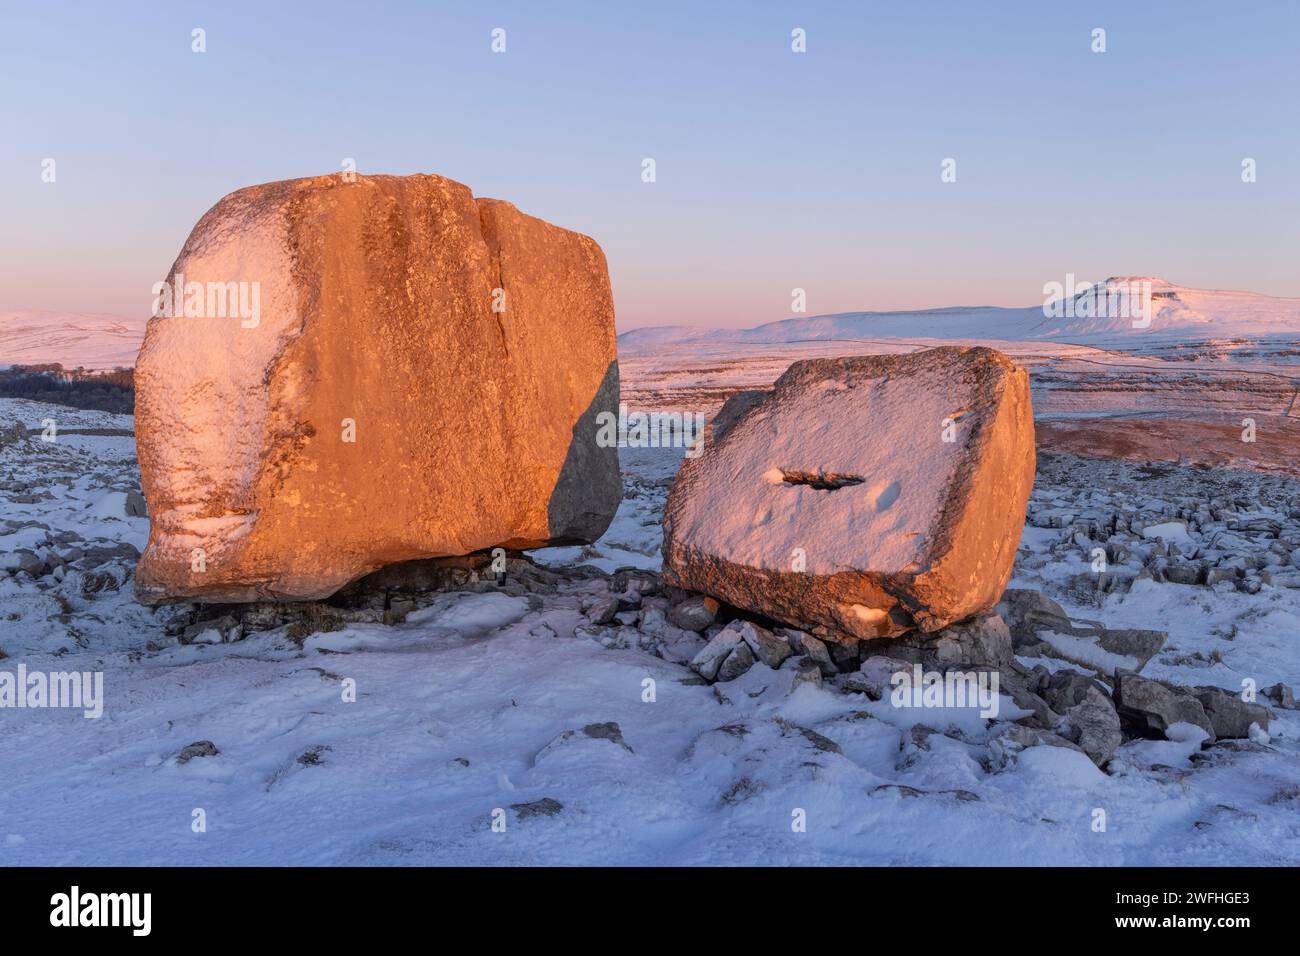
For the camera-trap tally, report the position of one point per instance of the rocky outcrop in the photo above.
(862, 497)
(1163, 525)
(398, 371)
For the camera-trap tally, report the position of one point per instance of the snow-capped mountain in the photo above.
(1121, 312)
(92, 340)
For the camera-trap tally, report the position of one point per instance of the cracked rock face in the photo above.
(409, 373)
(862, 496)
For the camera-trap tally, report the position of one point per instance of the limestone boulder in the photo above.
(861, 497)
(342, 375)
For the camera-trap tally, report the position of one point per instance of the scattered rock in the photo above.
(1281, 579)
(1065, 689)
(1094, 725)
(707, 662)
(545, 807)
(678, 646)
(637, 580)
(200, 748)
(1229, 715)
(1016, 686)
(844, 654)
(1026, 611)
(695, 613)
(313, 755)
(767, 647)
(1282, 695)
(1010, 739)
(876, 675)
(897, 789)
(1150, 706)
(602, 610)
(13, 434)
(806, 645)
(1215, 576)
(740, 660)
(824, 744)
(95, 556)
(609, 731)
(806, 671)
(29, 561)
(225, 629)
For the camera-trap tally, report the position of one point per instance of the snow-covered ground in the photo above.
(487, 707)
(90, 340)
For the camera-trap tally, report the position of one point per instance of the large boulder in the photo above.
(408, 373)
(862, 496)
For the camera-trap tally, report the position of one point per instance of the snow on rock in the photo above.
(1168, 531)
(862, 496)
(411, 373)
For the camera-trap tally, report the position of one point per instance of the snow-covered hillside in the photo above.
(91, 340)
(1100, 315)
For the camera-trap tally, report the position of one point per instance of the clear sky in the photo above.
(775, 170)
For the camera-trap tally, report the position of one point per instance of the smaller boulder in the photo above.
(1150, 706)
(1282, 695)
(1229, 715)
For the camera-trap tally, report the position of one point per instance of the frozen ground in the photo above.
(461, 712)
(90, 340)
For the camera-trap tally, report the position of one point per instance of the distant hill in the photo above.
(1097, 317)
(91, 340)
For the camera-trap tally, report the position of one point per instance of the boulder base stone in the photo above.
(861, 497)
(374, 407)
